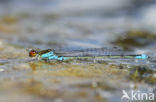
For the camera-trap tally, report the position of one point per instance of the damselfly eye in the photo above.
(32, 53)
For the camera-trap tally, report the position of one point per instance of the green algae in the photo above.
(142, 74)
(75, 70)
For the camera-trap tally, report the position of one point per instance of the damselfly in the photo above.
(114, 52)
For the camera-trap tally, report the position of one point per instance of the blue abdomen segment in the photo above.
(142, 56)
(57, 58)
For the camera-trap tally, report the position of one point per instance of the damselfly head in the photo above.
(32, 53)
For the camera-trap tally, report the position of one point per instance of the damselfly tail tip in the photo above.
(142, 56)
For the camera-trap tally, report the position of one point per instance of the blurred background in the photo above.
(129, 24)
(89, 23)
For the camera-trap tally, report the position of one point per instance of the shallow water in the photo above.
(67, 24)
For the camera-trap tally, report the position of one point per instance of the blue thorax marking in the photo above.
(51, 56)
(46, 55)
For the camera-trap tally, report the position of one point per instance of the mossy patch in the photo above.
(135, 39)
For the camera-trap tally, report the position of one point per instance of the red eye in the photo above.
(32, 53)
